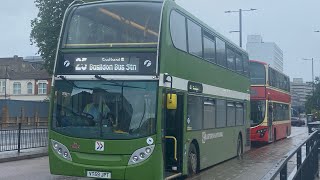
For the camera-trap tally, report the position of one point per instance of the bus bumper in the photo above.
(259, 134)
(151, 168)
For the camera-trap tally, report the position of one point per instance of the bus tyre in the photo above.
(274, 135)
(192, 160)
(239, 148)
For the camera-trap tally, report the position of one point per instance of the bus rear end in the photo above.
(103, 118)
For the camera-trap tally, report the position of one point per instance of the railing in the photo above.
(13, 125)
(23, 137)
(306, 168)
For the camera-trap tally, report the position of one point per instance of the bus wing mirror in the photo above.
(172, 101)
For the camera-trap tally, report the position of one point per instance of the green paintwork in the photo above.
(117, 152)
(114, 159)
(181, 64)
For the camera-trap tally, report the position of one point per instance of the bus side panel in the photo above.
(214, 150)
(282, 130)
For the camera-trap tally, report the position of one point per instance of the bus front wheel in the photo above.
(192, 160)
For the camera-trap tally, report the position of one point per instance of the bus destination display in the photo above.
(105, 63)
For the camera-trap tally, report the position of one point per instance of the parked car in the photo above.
(296, 121)
(313, 126)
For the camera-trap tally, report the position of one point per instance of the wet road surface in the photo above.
(255, 163)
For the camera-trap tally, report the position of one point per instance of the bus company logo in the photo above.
(81, 59)
(147, 63)
(75, 146)
(81, 67)
(113, 59)
(66, 63)
(99, 146)
(210, 136)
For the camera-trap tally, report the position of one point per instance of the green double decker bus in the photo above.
(144, 90)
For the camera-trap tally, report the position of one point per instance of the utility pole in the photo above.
(240, 27)
(312, 73)
(240, 22)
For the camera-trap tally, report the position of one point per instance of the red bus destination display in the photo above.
(107, 63)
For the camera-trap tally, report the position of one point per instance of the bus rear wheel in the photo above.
(239, 148)
(192, 161)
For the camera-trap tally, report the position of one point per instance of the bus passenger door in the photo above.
(173, 137)
(270, 120)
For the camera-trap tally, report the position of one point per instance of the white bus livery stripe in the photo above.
(178, 83)
(182, 84)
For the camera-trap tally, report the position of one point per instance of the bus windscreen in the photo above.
(104, 109)
(258, 110)
(257, 73)
(116, 24)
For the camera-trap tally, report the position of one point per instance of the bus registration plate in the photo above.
(97, 174)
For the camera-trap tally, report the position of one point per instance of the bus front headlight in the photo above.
(61, 150)
(141, 154)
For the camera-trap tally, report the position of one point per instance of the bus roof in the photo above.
(204, 25)
(264, 63)
(260, 62)
(90, 1)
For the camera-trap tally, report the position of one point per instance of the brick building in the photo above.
(24, 79)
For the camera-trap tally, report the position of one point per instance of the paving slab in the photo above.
(7, 156)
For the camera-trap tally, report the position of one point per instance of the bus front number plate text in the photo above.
(97, 174)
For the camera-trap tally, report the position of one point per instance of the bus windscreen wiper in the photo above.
(66, 80)
(115, 83)
(72, 83)
(104, 79)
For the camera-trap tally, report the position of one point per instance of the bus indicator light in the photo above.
(150, 140)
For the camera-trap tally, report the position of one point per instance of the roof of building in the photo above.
(18, 69)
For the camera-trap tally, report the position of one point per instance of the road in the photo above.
(254, 164)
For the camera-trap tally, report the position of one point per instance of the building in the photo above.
(26, 80)
(267, 52)
(299, 92)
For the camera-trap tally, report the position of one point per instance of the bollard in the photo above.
(19, 138)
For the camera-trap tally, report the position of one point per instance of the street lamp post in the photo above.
(317, 32)
(312, 72)
(240, 22)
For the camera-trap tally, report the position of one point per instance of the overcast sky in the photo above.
(290, 24)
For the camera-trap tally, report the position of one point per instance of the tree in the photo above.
(46, 28)
(313, 101)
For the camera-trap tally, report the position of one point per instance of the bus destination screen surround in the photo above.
(107, 63)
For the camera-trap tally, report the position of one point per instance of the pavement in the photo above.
(7, 156)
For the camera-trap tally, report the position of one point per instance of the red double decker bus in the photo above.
(270, 103)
